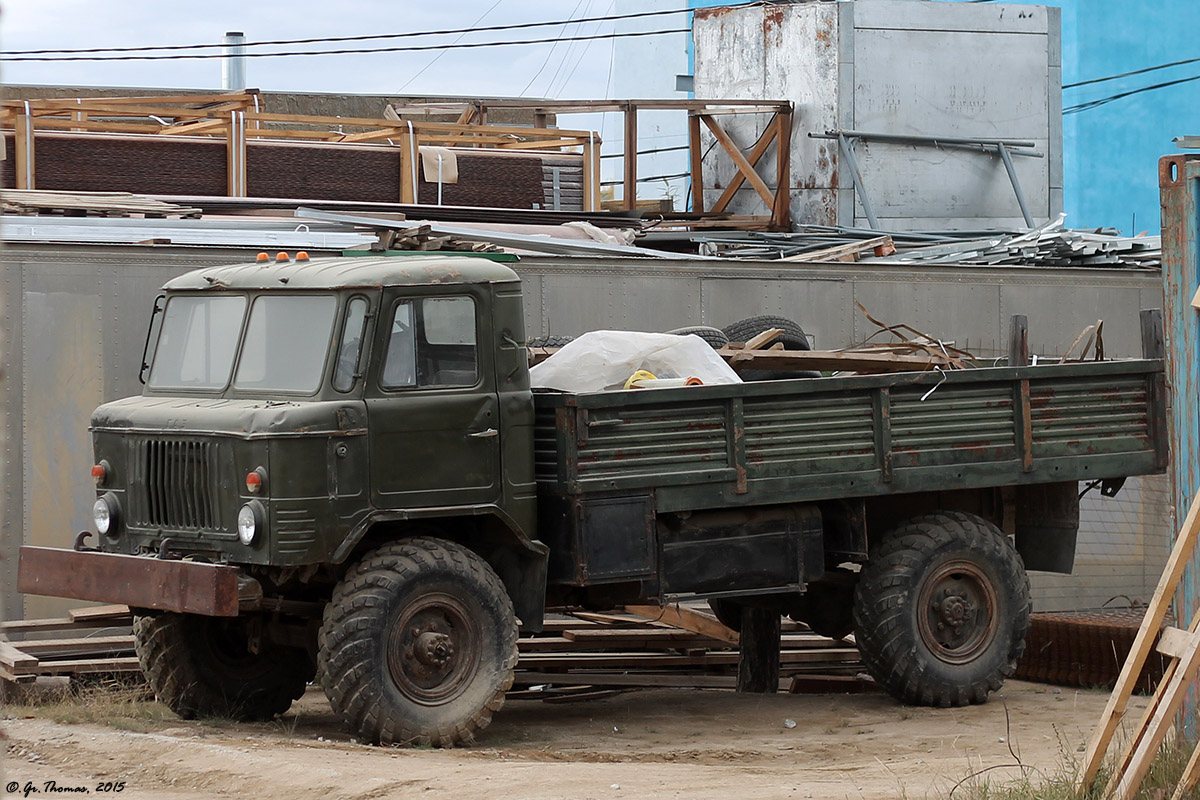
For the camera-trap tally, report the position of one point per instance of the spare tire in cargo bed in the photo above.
(715, 337)
(793, 338)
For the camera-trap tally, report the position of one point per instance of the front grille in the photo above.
(174, 485)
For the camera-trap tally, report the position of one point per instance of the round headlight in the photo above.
(104, 513)
(249, 522)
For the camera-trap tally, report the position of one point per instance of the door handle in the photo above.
(484, 434)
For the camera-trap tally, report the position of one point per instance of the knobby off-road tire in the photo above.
(418, 644)
(941, 610)
(202, 667)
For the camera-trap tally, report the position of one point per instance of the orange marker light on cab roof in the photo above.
(302, 255)
(262, 257)
(282, 257)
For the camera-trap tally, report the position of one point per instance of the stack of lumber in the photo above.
(572, 654)
(29, 202)
(423, 238)
(98, 642)
(621, 650)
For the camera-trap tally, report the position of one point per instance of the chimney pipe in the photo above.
(233, 65)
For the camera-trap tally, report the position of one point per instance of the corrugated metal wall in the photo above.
(78, 315)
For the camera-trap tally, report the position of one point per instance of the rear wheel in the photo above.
(941, 610)
(213, 667)
(418, 644)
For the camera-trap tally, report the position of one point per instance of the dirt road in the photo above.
(646, 744)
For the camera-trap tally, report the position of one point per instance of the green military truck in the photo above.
(337, 468)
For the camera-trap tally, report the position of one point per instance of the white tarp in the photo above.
(602, 360)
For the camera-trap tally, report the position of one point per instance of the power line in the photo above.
(1090, 104)
(367, 37)
(553, 47)
(358, 51)
(1142, 71)
(435, 59)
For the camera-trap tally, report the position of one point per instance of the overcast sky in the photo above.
(575, 70)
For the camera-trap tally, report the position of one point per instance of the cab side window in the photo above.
(432, 342)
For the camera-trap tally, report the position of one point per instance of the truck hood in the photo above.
(231, 417)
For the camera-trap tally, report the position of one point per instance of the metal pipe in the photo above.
(860, 189)
(412, 151)
(901, 138)
(1012, 176)
(233, 63)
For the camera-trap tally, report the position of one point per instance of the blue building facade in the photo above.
(1111, 145)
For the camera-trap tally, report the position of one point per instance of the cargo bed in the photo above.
(822, 438)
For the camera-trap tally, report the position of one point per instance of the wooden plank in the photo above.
(15, 661)
(630, 159)
(1126, 783)
(621, 679)
(739, 160)
(1174, 642)
(850, 361)
(59, 648)
(86, 665)
(1156, 611)
(766, 337)
(115, 611)
(200, 126)
(781, 214)
(843, 252)
(641, 659)
(29, 626)
(682, 617)
(696, 159)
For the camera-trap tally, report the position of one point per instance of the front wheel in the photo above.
(418, 644)
(941, 610)
(213, 667)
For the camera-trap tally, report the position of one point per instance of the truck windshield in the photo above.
(197, 342)
(287, 339)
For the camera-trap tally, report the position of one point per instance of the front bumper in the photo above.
(136, 581)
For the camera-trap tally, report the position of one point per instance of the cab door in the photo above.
(434, 416)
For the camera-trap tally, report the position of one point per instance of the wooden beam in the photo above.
(369, 136)
(845, 252)
(23, 136)
(200, 126)
(850, 361)
(781, 214)
(758, 657)
(15, 661)
(1143, 643)
(408, 161)
(684, 618)
(696, 155)
(739, 160)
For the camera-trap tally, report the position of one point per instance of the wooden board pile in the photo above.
(30, 202)
(574, 654)
(423, 238)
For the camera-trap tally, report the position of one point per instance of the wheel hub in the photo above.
(433, 649)
(956, 611)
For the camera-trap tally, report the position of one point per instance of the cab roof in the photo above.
(351, 272)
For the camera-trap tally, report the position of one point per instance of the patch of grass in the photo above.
(1159, 783)
(118, 706)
